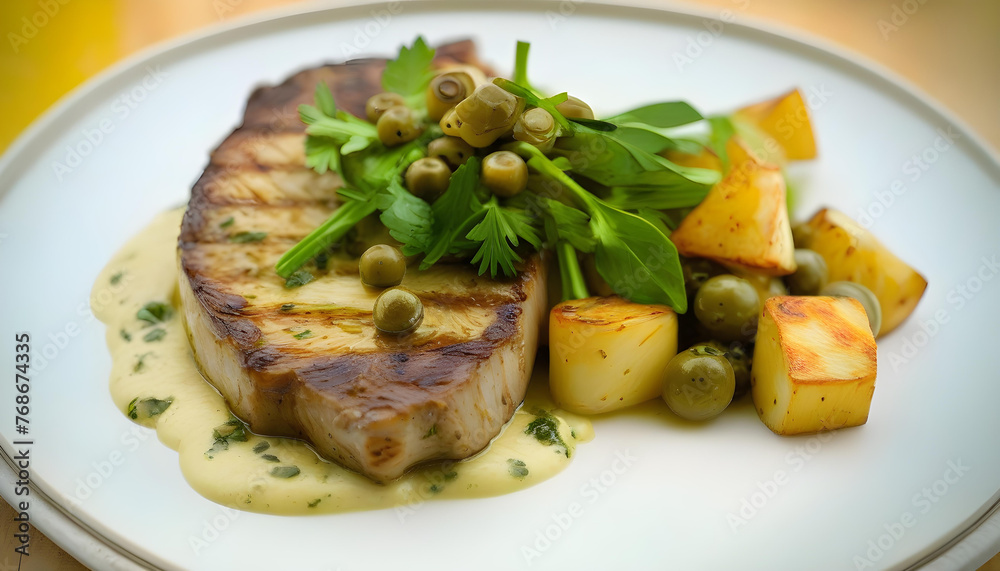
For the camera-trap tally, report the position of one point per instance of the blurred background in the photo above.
(948, 48)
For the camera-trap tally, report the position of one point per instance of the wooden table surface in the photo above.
(948, 48)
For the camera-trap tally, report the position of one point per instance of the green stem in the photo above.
(538, 161)
(574, 286)
(342, 220)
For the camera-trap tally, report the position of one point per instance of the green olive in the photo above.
(489, 112)
(740, 358)
(396, 126)
(380, 103)
(859, 292)
(728, 306)
(699, 383)
(574, 108)
(397, 311)
(536, 127)
(446, 91)
(810, 274)
(427, 178)
(452, 150)
(382, 266)
(504, 173)
(697, 271)
(802, 235)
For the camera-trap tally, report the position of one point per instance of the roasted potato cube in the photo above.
(814, 364)
(854, 254)
(607, 353)
(743, 222)
(786, 120)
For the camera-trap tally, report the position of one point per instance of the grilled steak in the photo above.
(307, 362)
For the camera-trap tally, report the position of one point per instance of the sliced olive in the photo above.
(489, 112)
(699, 383)
(380, 103)
(810, 274)
(537, 127)
(397, 312)
(452, 150)
(861, 293)
(446, 91)
(727, 306)
(428, 178)
(504, 173)
(382, 266)
(396, 126)
(574, 108)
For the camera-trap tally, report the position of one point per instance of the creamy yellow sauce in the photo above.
(156, 382)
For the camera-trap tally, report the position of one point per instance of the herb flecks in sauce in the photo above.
(298, 278)
(261, 446)
(285, 471)
(155, 335)
(155, 312)
(147, 407)
(517, 468)
(545, 429)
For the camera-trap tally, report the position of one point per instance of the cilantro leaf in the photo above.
(411, 72)
(498, 234)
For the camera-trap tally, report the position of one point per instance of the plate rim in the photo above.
(87, 544)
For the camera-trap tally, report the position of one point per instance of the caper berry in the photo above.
(397, 311)
(450, 124)
(810, 274)
(446, 91)
(504, 173)
(452, 150)
(382, 266)
(698, 383)
(861, 293)
(489, 112)
(574, 108)
(380, 103)
(537, 127)
(428, 178)
(727, 306)
(396, 126)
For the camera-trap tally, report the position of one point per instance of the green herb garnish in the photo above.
(269, 458)
(148, 407)
(125, 335)
(155, 312)
(117, 278)
(285, 471)
(247, 237)
(314, 503)
(155, 335)
(298, 278)
(261, 446)
(517, 468)
(303, 334)
(545, 429)
(227, 222)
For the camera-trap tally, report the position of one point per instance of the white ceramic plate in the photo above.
(816, 503)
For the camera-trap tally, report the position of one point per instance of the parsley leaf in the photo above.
(456, 209)
(155, 312)
(667, 114)
(298, 278)
(498, 234)
(408, 217)
(410, 73)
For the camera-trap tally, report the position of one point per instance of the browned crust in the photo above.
(389, 379)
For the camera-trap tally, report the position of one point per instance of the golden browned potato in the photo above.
(785, 120)
(607, 353)
(814, 364)
(854, 254)
(743, 222)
